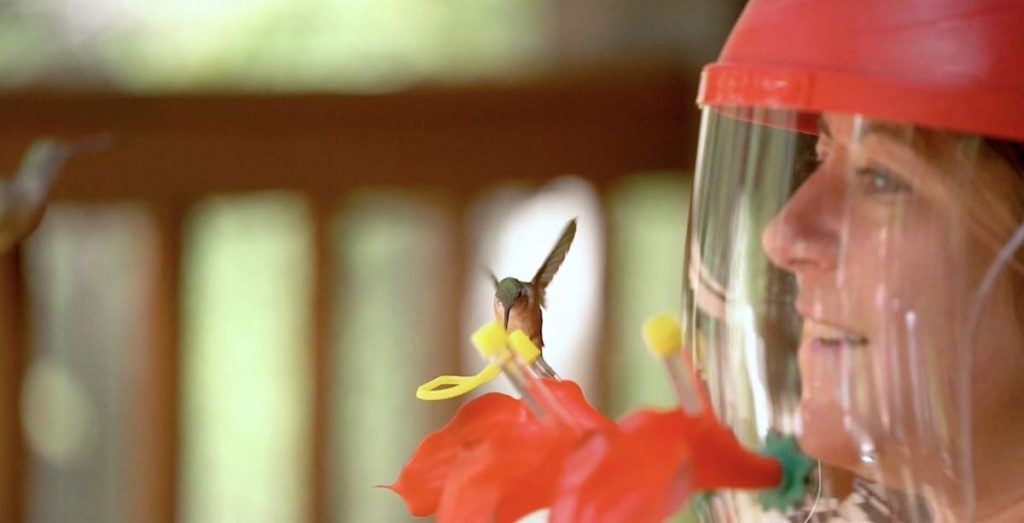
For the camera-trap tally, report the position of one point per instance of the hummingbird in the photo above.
(517, 304)
(23, 197)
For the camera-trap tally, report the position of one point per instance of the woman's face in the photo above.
(882, 241)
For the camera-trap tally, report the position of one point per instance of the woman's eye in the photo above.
(880, 181)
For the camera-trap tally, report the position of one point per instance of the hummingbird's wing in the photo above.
(554, 261)
(494, 279)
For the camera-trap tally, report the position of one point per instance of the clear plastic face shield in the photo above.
(843, 286)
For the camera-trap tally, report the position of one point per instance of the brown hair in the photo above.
(1012, 152)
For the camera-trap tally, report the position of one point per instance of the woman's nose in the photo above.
(804, 236)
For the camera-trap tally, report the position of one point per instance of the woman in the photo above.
(852, 263)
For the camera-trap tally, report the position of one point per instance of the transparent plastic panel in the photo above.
(835, 268)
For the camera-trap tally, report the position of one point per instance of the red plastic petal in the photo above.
(496, 457)
(635, 473)
(472, 490)
(533, 484)
(564, 403)
(423, 478)
(499, 476)
(719, 460)
(646, 469)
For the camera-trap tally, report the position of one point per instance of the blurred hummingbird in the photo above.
(517, 304)
(23, 197)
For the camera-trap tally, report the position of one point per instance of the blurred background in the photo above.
(223, 316)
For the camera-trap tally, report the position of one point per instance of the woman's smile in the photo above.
(829, 336)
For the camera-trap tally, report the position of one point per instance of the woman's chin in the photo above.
(825, 436)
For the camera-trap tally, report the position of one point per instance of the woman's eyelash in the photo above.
(875, 179)
(878, 180)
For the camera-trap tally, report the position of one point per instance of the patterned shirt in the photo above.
(868, 503)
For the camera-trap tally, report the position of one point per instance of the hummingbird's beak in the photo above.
(508, 309)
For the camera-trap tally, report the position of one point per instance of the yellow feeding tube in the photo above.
(664, 338)
(511, 353)
(515, 356)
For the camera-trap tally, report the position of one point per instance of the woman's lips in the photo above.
(829, 336)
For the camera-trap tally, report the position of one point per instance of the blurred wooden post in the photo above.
(154, 471)
(323, 312)
(601, 395)
(453, 274)
(13, 353)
